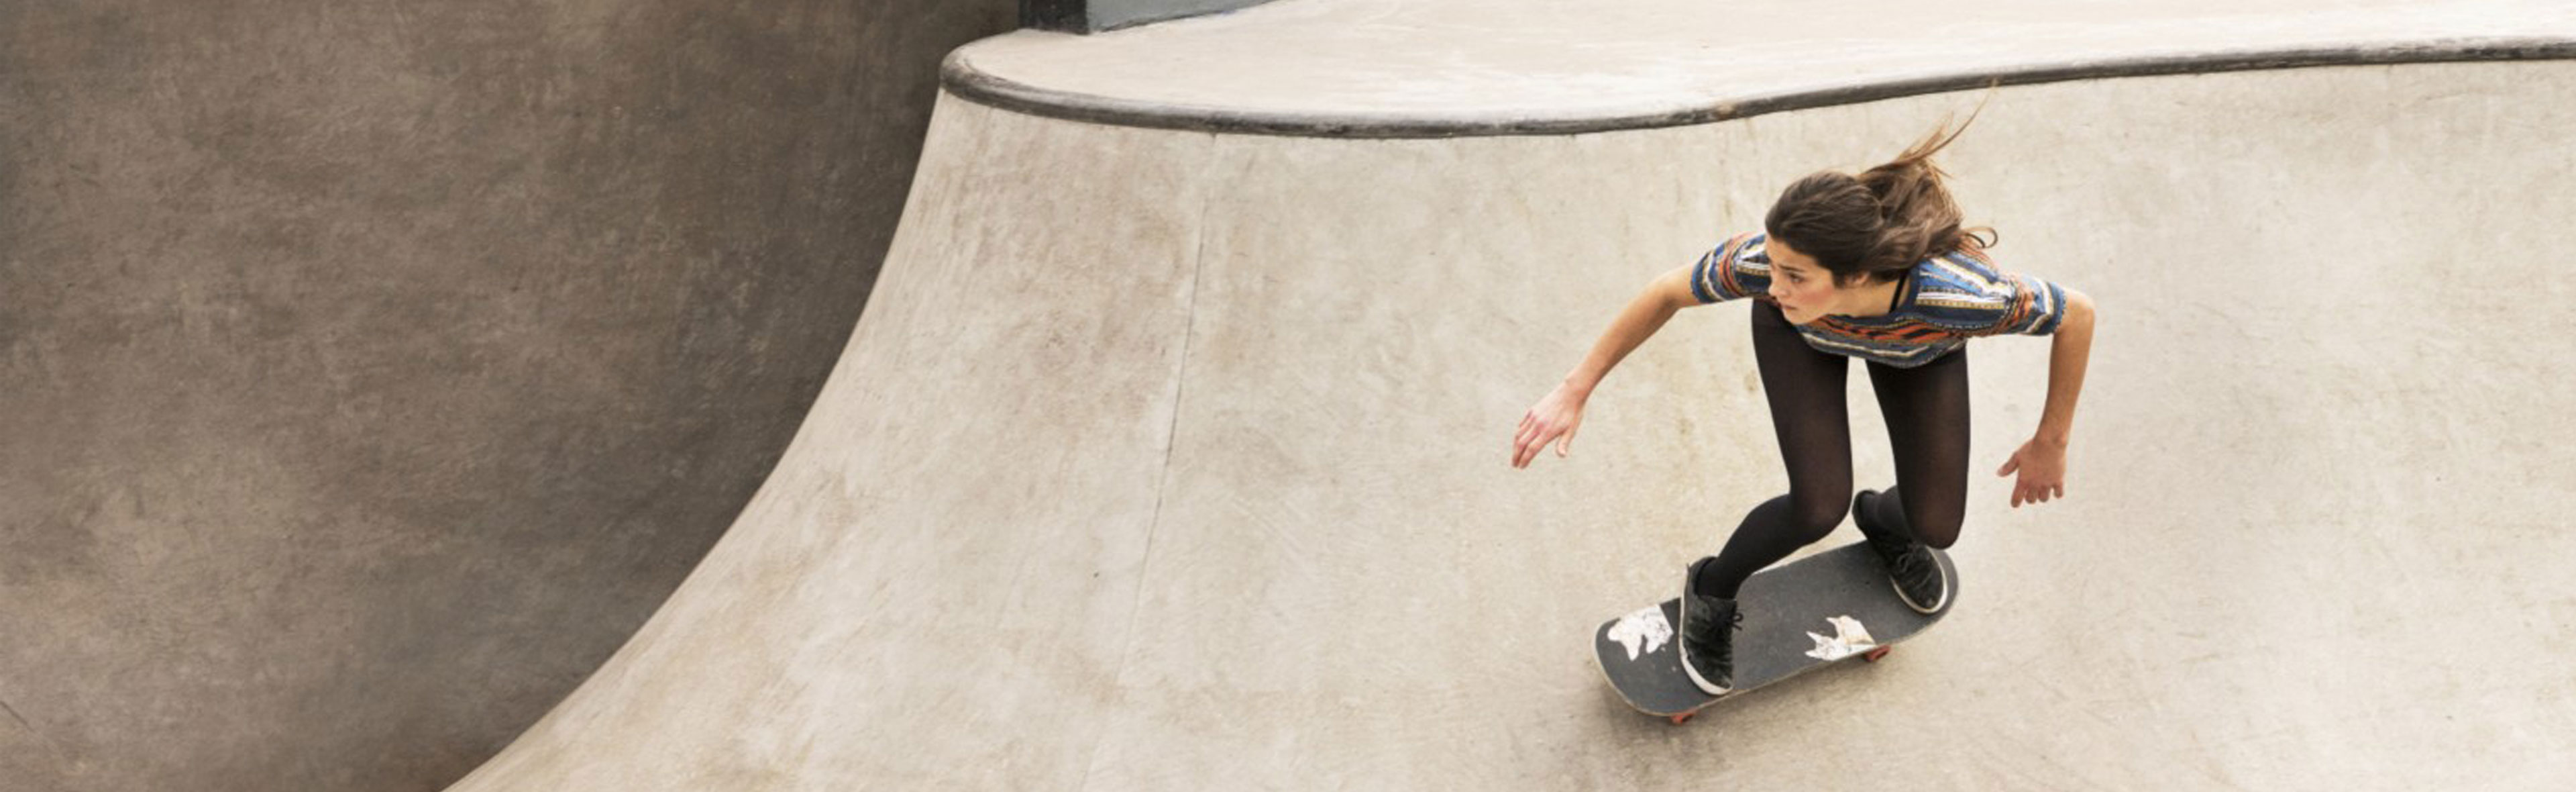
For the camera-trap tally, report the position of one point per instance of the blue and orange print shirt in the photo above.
(1944, 301)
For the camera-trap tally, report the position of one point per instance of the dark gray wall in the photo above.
(1107, 14)
(1089, 16)
(369, 370)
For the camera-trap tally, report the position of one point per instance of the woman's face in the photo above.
(1804, 289)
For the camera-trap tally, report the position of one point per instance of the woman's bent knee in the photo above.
(1814, 522)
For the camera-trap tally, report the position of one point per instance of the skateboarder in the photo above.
(1873, 266)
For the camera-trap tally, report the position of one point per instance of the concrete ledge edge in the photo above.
(960, 77)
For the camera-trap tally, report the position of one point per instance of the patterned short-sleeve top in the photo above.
(1944, 301)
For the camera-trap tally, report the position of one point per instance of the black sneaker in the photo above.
(1910, 566)
(1708, 646)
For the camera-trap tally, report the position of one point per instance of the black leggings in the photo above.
(1927, 426)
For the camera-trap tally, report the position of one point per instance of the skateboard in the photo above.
(1813, 612)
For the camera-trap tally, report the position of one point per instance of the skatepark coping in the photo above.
(1443, 68)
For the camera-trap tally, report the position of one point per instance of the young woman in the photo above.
(1872, 266)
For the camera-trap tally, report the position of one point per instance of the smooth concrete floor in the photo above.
(1177, 460)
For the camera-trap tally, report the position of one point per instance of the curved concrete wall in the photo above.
(1209, 490)
(368, 371)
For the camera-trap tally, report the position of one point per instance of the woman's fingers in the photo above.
(1530, 444)
(2036, 493)
(1536, 441)
(1531, 429)
(1552, 421)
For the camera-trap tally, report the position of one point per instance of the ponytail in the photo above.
(1879, 223)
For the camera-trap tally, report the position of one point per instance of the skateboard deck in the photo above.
(1807, 614)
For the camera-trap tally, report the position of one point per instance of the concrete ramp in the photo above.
(1177, 459)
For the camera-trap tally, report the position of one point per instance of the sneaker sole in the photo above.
(1702, 684)
(1683, 652)
(1857, 509)
(1909, 600)
(1696, 680)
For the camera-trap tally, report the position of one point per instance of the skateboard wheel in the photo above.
(1682, 718)
(1875, 654)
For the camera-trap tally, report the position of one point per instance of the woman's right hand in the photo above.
(1557, 416)
(1553, 419)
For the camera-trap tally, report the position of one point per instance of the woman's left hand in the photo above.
(2043, 472)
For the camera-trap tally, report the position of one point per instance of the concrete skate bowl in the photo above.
(1175, 459)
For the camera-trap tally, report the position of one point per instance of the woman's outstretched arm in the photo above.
(1555, 417)
(2042, 461)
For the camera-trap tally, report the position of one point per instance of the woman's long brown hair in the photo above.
(1880, 222)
